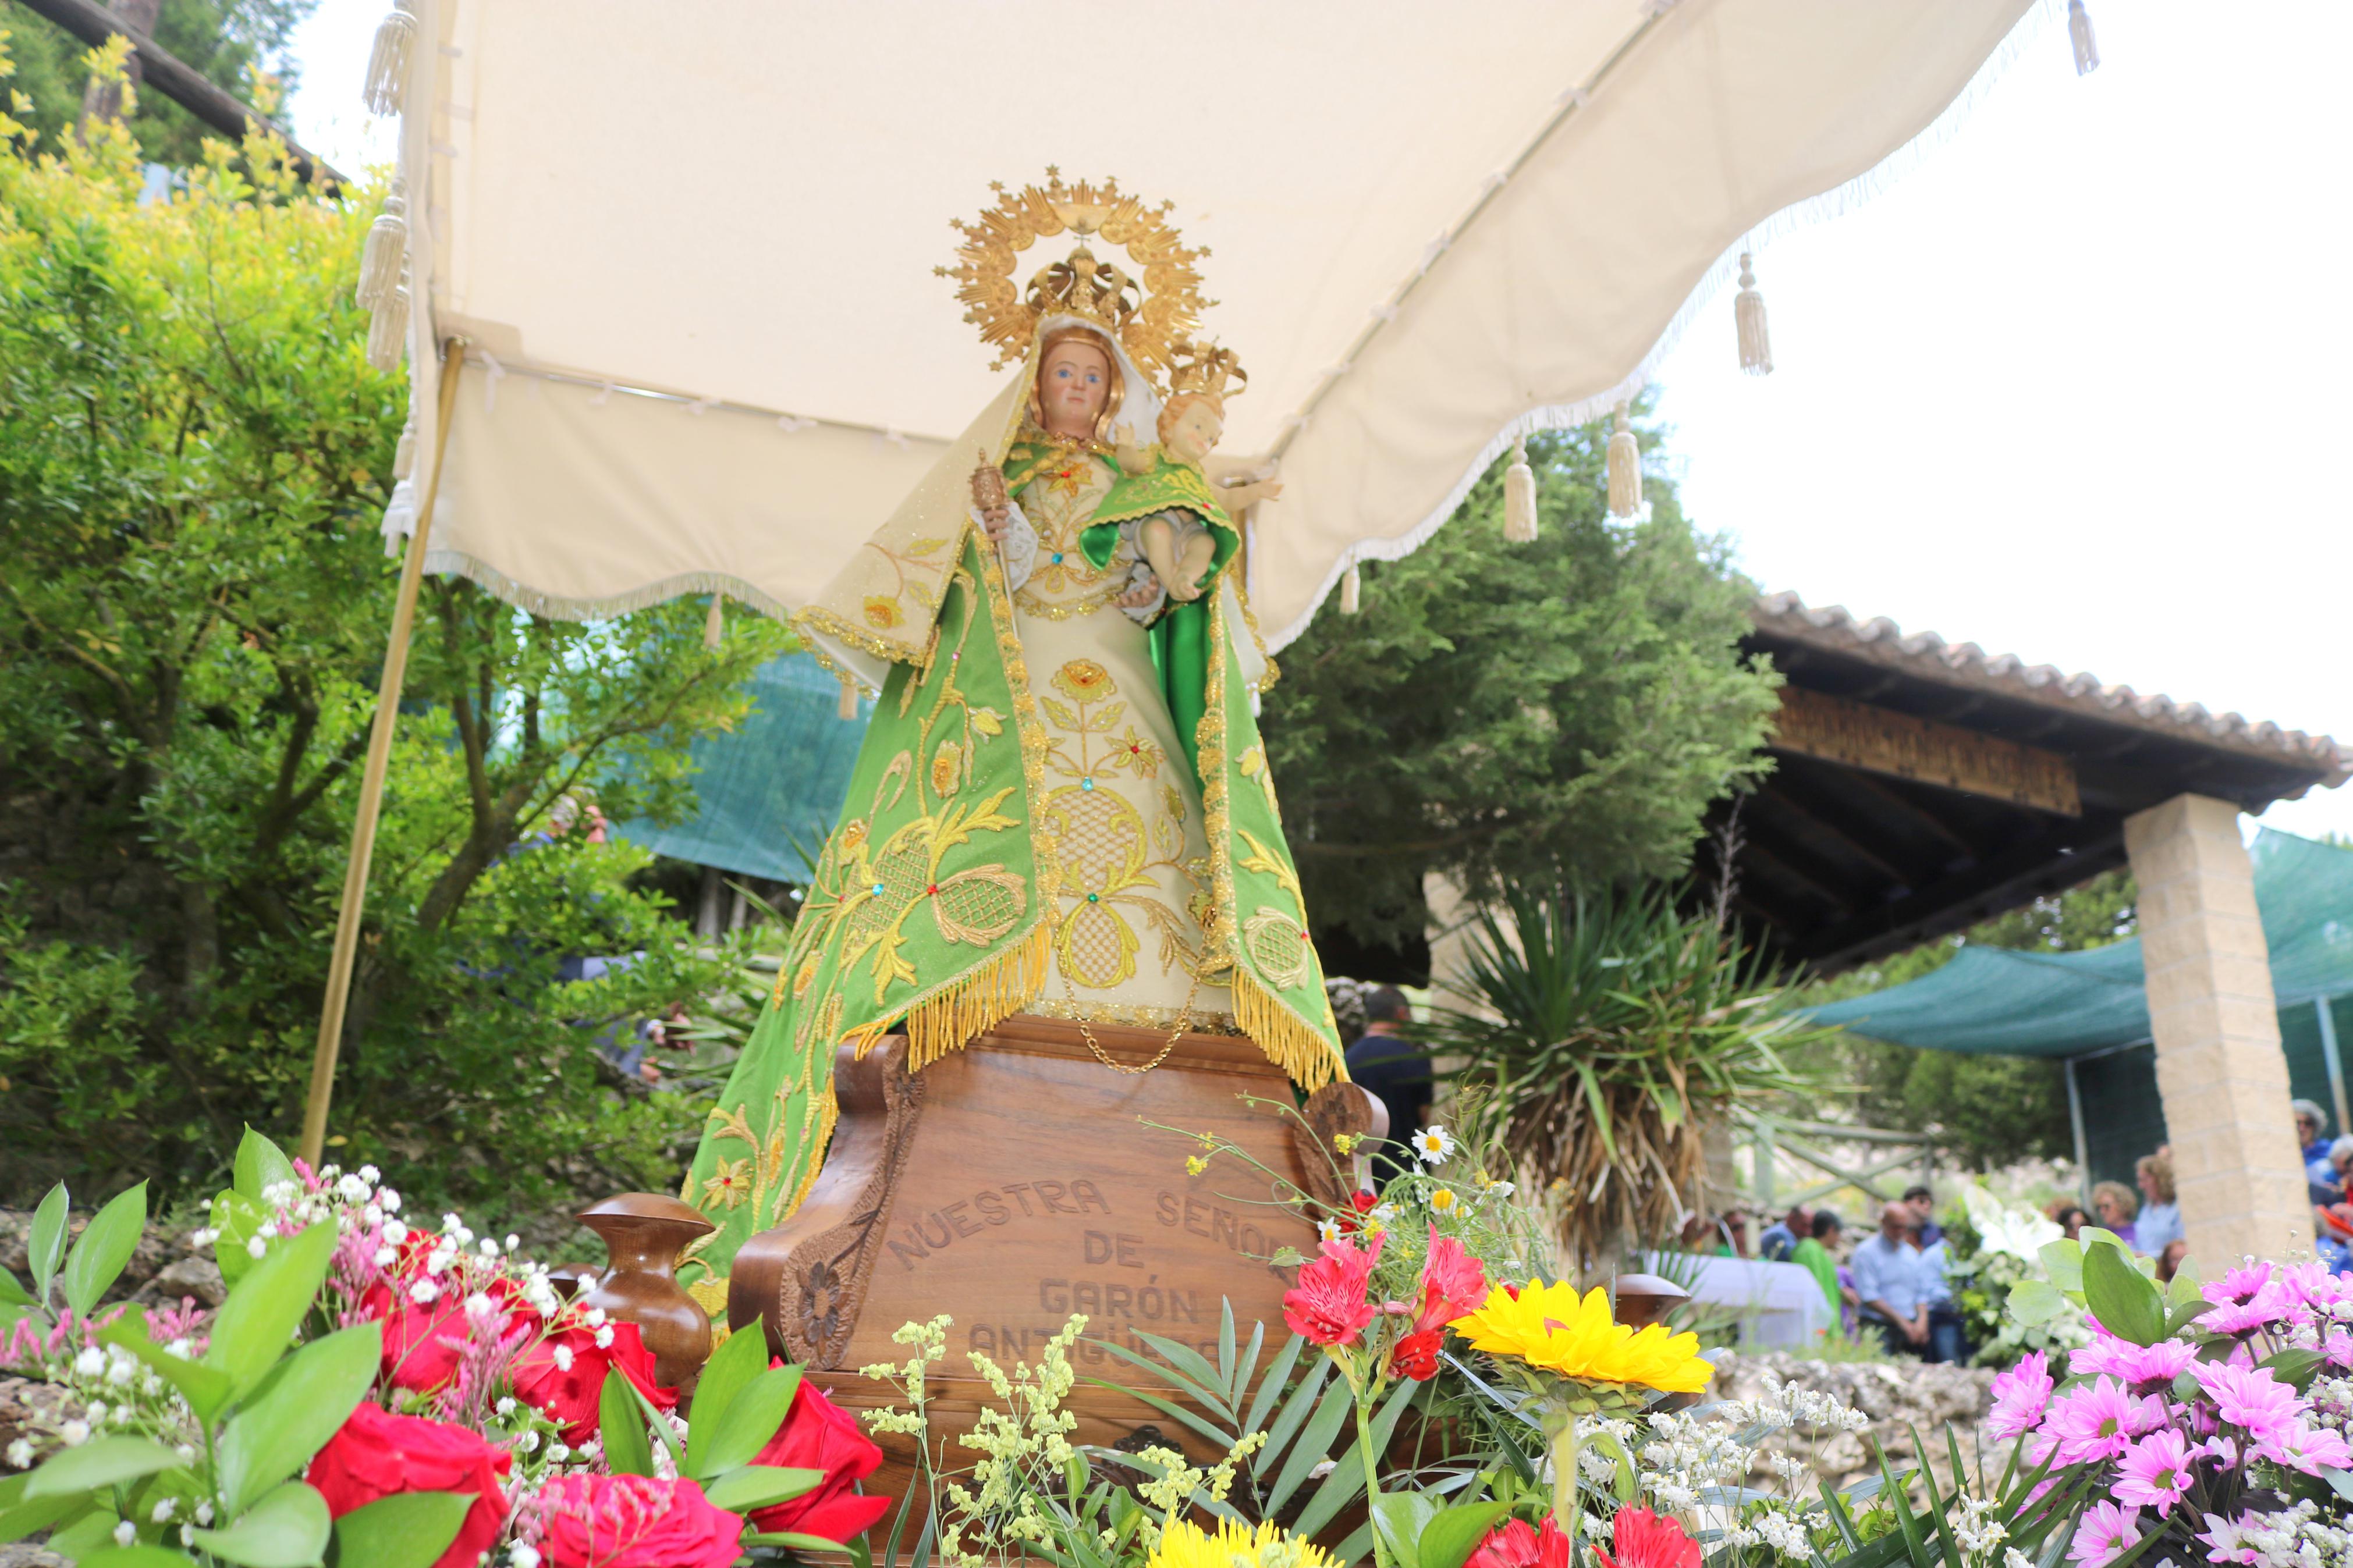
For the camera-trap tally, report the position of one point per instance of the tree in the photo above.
(1990, 1110)
(228, 41)
(193, 453)
(1554, 712)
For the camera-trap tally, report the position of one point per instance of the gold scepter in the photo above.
(989, 495)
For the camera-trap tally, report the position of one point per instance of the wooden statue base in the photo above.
(1011, 1184)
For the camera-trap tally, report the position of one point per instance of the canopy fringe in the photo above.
(555, 607)
(970, 1006)
(1287, 1041)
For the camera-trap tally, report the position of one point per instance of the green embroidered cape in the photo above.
(931, 909)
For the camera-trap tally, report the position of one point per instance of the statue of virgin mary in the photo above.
(1023, 832)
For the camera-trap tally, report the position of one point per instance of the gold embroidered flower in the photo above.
(801, 979)
(1172, 801)
(1083, 681)
(1133, 751)
(852, 835)
(947, 768)
(882, 614)
(730, 1186)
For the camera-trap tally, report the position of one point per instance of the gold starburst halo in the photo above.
(1207, 368)
(1150, 320)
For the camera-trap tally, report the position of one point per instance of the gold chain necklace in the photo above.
(1184, 1022)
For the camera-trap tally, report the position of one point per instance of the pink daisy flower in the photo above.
(2249, 1398)
(2238, 1286)
(2101, 1355)
(2158, 1364)
(2311, 1449)
(2100, 1421)
(2338, 1347)
(2269, 1304)
(2105, 1534)
(2155, 1471)
(2020, 1396)
(2226, 1542)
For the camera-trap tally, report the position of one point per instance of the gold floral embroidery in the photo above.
(1083, 681)
(730, 1186)
(947, 768)
(883, 613)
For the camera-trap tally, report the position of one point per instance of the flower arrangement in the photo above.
(409, 1395)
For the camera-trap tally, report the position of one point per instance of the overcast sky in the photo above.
(2076, 390)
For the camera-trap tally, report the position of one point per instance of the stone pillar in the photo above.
(2219, 1064)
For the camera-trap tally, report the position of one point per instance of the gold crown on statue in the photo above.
(1150, 320)
(1207, 368)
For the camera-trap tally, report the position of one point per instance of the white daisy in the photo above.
(1434, 1143)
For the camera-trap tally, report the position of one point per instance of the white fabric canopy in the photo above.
(1430, 226)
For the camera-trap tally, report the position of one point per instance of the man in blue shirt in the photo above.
(1395, 1073)
(1894, 1281)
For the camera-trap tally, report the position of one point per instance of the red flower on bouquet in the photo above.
(1453, 1283)
(376, 1454)
(1416, 1356)
(819, 1435)
(1641, 1539)
(635, 1522)
(563, 1375)
(1514, 1543)
(1329, 1306)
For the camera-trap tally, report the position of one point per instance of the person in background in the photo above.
(1813, 1253)
(2311, 1124)
(1892, 1280)
(2169, 1262)
(2072, 1219)
(1781, 1238)
(2113, 1205)
(2158, 1223)
(1945, 1341)
(1923, 1204)
(1732, 1234)
(1395, 1073)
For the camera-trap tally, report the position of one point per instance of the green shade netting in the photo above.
(1990, 1000)
(772, 786)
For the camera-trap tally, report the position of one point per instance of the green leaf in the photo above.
(93, 1531)
(260, 1165)
(286, 1528)
(100, 1462)
(2294, 1367)
(2126, 1302)
(1314, 1443)
(252, 1328)
(21, 1520)
(751, 1422)
(1399, 1520)
(2186, 1313)
(727, 1373)
(759, 1486)
(653, 1419)
(2032, 1302)
(235, 1218)
(1448, 1541)
(136, 1557)
(795, 1540)
(105, 1245)
(13, 1294)
(2063, 1261)
(407, 1529)
(45, 1244)
(627, 1449)
(290, 1414)
(203, 1387)
(2184, 1287)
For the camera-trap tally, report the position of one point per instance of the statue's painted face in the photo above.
(1194, 434)
(1073, 386)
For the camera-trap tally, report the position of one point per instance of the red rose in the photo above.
(635, 1522)
(819, 1435)
(563, 1375)
(1416, 1356)
(377, 1455)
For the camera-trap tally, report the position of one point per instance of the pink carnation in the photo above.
(2249, 1398)
(2020, 1396)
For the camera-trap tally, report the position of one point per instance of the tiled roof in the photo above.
(1965, 665)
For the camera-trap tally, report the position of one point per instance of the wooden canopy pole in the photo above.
(379, 757)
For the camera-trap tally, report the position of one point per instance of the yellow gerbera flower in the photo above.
(1547, 1326)
(1184, 1544)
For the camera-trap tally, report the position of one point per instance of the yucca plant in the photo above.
(1610, 1029)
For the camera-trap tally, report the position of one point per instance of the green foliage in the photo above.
(1561, 710)
(194, 455)
(1986, 1110)
(226, 41)
(1610, 1028)
(82, 1273)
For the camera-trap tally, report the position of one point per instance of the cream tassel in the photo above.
(388, 332)
(387, 68)
(1519, 497)
(404, 456)
(849, 708)
(1748, 315)
(2079, 30)
(1625, 469)
(1352, 591)
(386, 247)
(714, 624)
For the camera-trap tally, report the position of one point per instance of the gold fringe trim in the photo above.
(1278, 1031)
(971, 1004)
